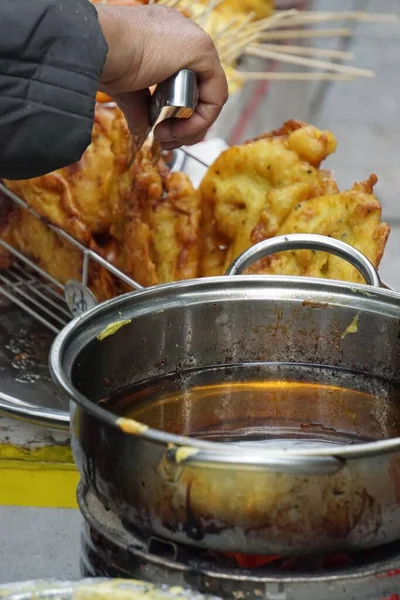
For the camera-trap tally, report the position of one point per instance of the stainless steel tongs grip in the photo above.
(176, 97)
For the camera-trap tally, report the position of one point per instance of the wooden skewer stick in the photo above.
(292, 34)
(300, 20)
(233, 52)
(229, 58)
(307, 51)
(350, 15)
(169, 3)
(212, 4)
(278, 15)
(229, 27)
(250, 27)
(239, 34)
(272, 22)
(309, 62)
(280, 76)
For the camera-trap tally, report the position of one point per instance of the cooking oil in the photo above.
(278, 406)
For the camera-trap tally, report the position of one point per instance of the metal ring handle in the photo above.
(307, 242)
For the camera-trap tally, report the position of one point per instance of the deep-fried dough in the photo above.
(353, 217)
(77, 198)
(56, 255)
(250, 189)
(159, 229)
(158, 224)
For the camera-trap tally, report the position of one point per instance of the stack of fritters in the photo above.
(274, 186)
(151, 223)
(136, 214)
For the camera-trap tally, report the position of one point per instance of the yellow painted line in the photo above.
(61, 454)
(38, 484)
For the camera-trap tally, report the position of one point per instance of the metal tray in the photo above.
(26, 388)
(33, 309)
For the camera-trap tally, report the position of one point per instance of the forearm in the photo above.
(52, 53)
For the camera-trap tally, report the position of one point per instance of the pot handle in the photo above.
(280, 462)
(307, 242)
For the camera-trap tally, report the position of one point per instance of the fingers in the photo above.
(213, 93)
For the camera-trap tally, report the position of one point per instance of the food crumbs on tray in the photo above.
(112, 328)
(352, 328)
(131, 426)
(185, 452)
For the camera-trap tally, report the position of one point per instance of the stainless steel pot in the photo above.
(163, 480)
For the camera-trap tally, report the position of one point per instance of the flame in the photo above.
(251, 561)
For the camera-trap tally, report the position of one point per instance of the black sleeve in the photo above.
(52, 53)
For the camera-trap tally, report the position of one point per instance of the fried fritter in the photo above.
(353, 217)
(147, 222)
(157, 229)
(250, 190)
(77, 198)
(55, 255)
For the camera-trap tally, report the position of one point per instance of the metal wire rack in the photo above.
(37, 292)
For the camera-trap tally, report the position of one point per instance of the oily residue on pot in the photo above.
(314, 304)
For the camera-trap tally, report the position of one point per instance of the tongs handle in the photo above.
(176, 97)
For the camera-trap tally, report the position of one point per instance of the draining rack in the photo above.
(38, 293)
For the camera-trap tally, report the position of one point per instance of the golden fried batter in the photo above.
(158, 224)
(135, 214)
(156, 228)
(55, 255)
(353, 217)
(250, 189)
(77, 198)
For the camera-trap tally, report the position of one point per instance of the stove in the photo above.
(111, 548)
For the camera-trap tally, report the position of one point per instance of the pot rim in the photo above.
(187, 450)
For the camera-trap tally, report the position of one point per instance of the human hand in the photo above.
(147, 45)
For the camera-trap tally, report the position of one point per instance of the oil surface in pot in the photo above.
(272, 404)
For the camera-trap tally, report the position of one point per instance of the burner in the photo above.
(112, 549)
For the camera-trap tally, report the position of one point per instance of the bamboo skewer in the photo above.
(309, 62)
(273, 76)
(240, 33)
(229, 27)
(292, 34)
(347, 15)
(307, 51)
(212, 4)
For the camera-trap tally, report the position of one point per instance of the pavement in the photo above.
(365, 116)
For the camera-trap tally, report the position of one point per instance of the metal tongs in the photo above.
(175, 98)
